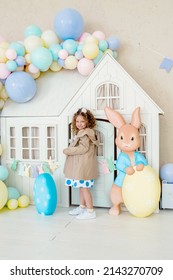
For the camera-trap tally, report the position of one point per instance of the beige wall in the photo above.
(144, 27)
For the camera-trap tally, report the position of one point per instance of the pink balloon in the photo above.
(33, 69)
(11, 54)
(85, 66)
(99, 35)
(4, 73)
(63, 54)
(84, 36)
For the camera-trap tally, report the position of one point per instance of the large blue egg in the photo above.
(45, 194)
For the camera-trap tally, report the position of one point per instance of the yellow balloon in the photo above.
(23, 201)
(32, 42)
(91, 39)
(55, 67)
(3, 194)
(90, 50)
(71, 62)
(2, 55)
(141, 192)
(12, 204)
(49, 38)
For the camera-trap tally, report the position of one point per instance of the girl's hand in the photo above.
(140, 167)
(130, 170)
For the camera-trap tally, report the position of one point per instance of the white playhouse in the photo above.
(35, 133)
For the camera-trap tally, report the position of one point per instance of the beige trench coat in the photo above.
(81, 160)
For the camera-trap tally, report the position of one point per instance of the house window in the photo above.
(100, 148)
(30, 143)
(143, 140)
(51, 142)
(12, 142)
(107, 94)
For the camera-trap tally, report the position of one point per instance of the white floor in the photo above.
(24, 234)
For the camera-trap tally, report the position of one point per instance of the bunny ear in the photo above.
(114, 117)
(136, 119)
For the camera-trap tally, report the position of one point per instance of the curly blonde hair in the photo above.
(89, 117)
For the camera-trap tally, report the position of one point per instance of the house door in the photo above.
(101, 191)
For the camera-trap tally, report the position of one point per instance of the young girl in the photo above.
(81, 163)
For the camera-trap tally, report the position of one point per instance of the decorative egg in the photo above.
(45, 194)
(141, 192)
(23, 201)
(3, 194)
(12, 204)
(13, 193)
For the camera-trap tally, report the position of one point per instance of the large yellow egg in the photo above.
(3, 194)
(141, 192)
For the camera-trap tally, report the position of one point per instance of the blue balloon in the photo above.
(3, 173)
(20, 87)
(166, 172)
(45, 194)
(69, 24)
(113, 43)
(13, 193)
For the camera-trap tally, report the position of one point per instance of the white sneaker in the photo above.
(77, 211)
(86, 215)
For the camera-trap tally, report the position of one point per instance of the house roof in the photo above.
(54, 92)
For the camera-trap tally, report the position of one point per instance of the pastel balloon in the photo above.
(20, 60)
(20, 87)
(13, 193)
(41, 58)
(79, 55)
(12, 204)
(103, 45)
(99, 35)
(23, 201)
(32, 30)
(91, 39)
(33, 69)
(11, 65)
(3, 57)
(3, 172)
(11, 54)
(166, 172)
(90, 50)
(113, 43)
(54, 49)
(70, 46)
(33, 42)
(49, 38)
(4, 194)
(68, 24)
(63, 54)
(18, 47)
(4, 72)
(84, 36)
(141, 192)
(85, 66)
(55, 67)
(71, 62)
(98, 58)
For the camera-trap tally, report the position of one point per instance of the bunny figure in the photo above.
(128, 141)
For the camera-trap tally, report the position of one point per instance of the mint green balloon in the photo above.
(32, 30)
(41, 58)
(18, 47)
